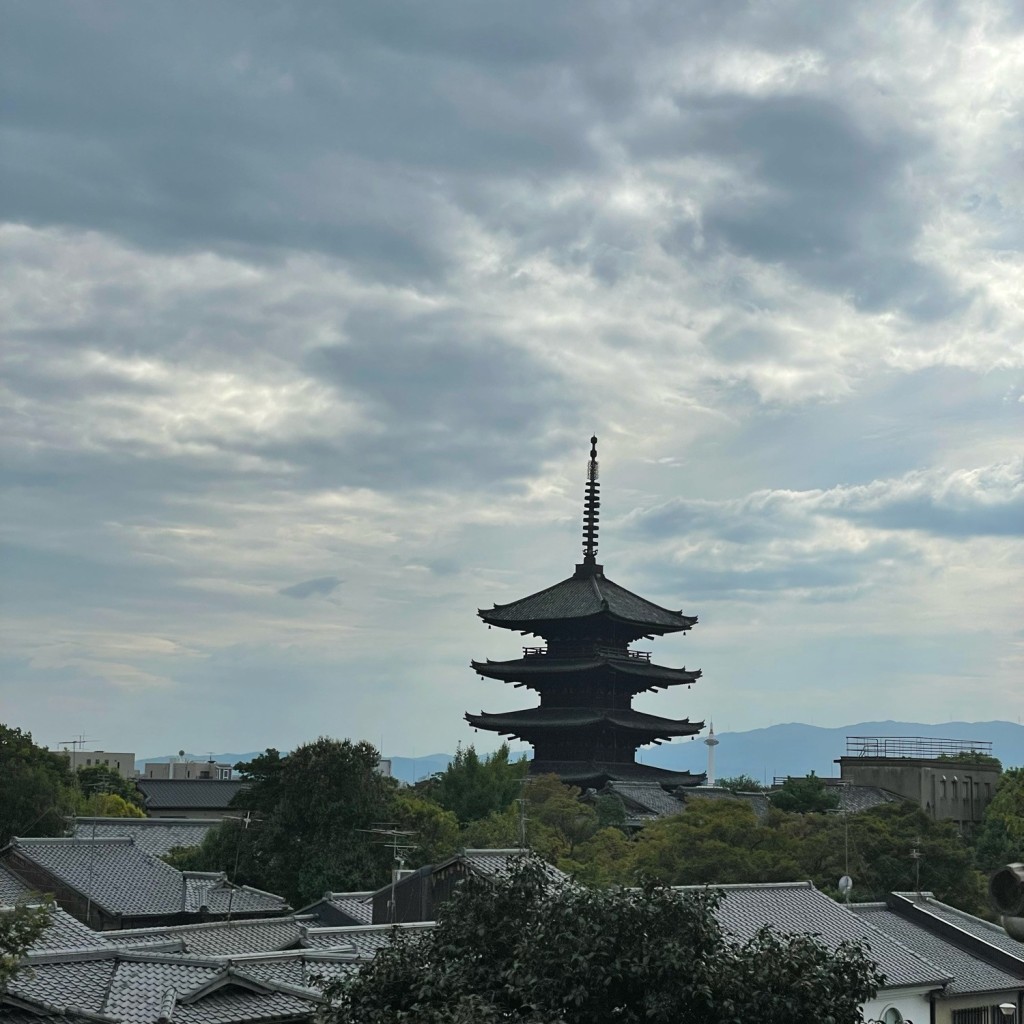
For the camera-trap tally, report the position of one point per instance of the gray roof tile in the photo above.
(221, 938)
(364, 939)
(580, 597)
(357, 905)
(157, 836)
(993, 934)
(168, 794)
(12, 889)
(123, 879)
(969, 973)
(797, 907)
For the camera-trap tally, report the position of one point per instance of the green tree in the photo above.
(740, 784)
(108, 805)
(1000, 839)
(971, 757)
(435, 831)
(101, 778)
(524, 950)
(20, 927)
(303, 823)
(472, 788)
(803, 796)
(37, 790)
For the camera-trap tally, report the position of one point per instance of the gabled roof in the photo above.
(924, 903)
(220, 938)
(595, 774)
(969, 973)
(168, 794)
(153, 835)
(122, 879)
(799, 908)
(357, 906)
(139, 988)
(66, 932)
(585, 596)
(644, 801)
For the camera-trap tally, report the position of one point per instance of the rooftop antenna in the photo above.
(398, 852)
(915, 856)
(712, 741)
(591, 515)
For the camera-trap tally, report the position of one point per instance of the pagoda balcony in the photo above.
(566, 654)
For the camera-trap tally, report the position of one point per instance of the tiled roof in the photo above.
(167, 794)
(67, 932)
(123, 879)
(644, 801)
(969, 973)
(221, 938)
(580, 597)
(12, 889)
(357, 905)
(986, 931)
(154, 835)
(862, 798)
(305, 968)
(364, 939)
(139, 988)
(532, 720)
(758, 802)
(799, 908)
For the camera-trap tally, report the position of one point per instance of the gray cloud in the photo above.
(323, 586)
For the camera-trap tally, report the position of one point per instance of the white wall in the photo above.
(913, 1004)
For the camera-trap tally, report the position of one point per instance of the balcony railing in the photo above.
(587, 652)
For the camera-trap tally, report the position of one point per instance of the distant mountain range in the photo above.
(790, 749)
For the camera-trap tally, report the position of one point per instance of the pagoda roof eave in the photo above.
(539, 720)
(598, 773)
(586, 597)
(525, 668)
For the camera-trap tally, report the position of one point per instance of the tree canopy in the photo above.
(801, 796)
(37, 789)
(524, 949)
(473, 788)
(19, 928)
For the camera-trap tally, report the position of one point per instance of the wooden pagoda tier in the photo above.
(585, 729)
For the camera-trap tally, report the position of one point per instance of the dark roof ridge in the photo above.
(69, 840)
(34, 1002)
(370, 927)
(135, 822)
(909, 908)
(208, 925)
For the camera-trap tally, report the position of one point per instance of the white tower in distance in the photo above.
(712, 742)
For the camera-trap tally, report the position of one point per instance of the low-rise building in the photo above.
(189, 798)
(121, 762)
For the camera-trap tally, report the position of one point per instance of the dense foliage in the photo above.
(472, 788)
(805, 795)
(1000, 840)
(37, 788)
(19, 929)
(527, 950)
(304, 824)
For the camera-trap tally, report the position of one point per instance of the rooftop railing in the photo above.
(913, 746)
(587, 652)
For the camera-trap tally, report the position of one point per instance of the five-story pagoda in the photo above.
(585, 729)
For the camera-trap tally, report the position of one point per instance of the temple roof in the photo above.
(541, 719)
(582, 596)
(528, 669)
(598, 773)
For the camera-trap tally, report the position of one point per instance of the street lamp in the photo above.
(1008, 1010)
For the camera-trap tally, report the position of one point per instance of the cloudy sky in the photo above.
(310, 309)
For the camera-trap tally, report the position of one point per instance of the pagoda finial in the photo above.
(591, 504)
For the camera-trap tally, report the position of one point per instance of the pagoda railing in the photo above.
(587, 652)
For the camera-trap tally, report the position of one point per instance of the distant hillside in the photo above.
(795, 749)
(790, 749)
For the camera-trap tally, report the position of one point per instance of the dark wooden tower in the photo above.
(585, 729)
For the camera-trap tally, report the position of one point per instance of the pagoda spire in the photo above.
(591, 516)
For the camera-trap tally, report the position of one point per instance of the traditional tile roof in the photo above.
(984, 931)
(855, 799)
(499, 863)
(221, 938)
(595, 774)
(581, 597)
(364, 940)
(12, 889)
(157, 836)
(644, 802)
(658, 676)
(122, 879)
(356, 906)
(799, 908)
(67, 932)
(969, 973)
(168, 794)
(143, 988)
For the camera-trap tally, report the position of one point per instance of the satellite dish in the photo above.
(845, 885)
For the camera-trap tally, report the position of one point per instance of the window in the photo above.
(892, 1016)
(977, 1015)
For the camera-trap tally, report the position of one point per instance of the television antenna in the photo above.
(246, 821)
(397, 839)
